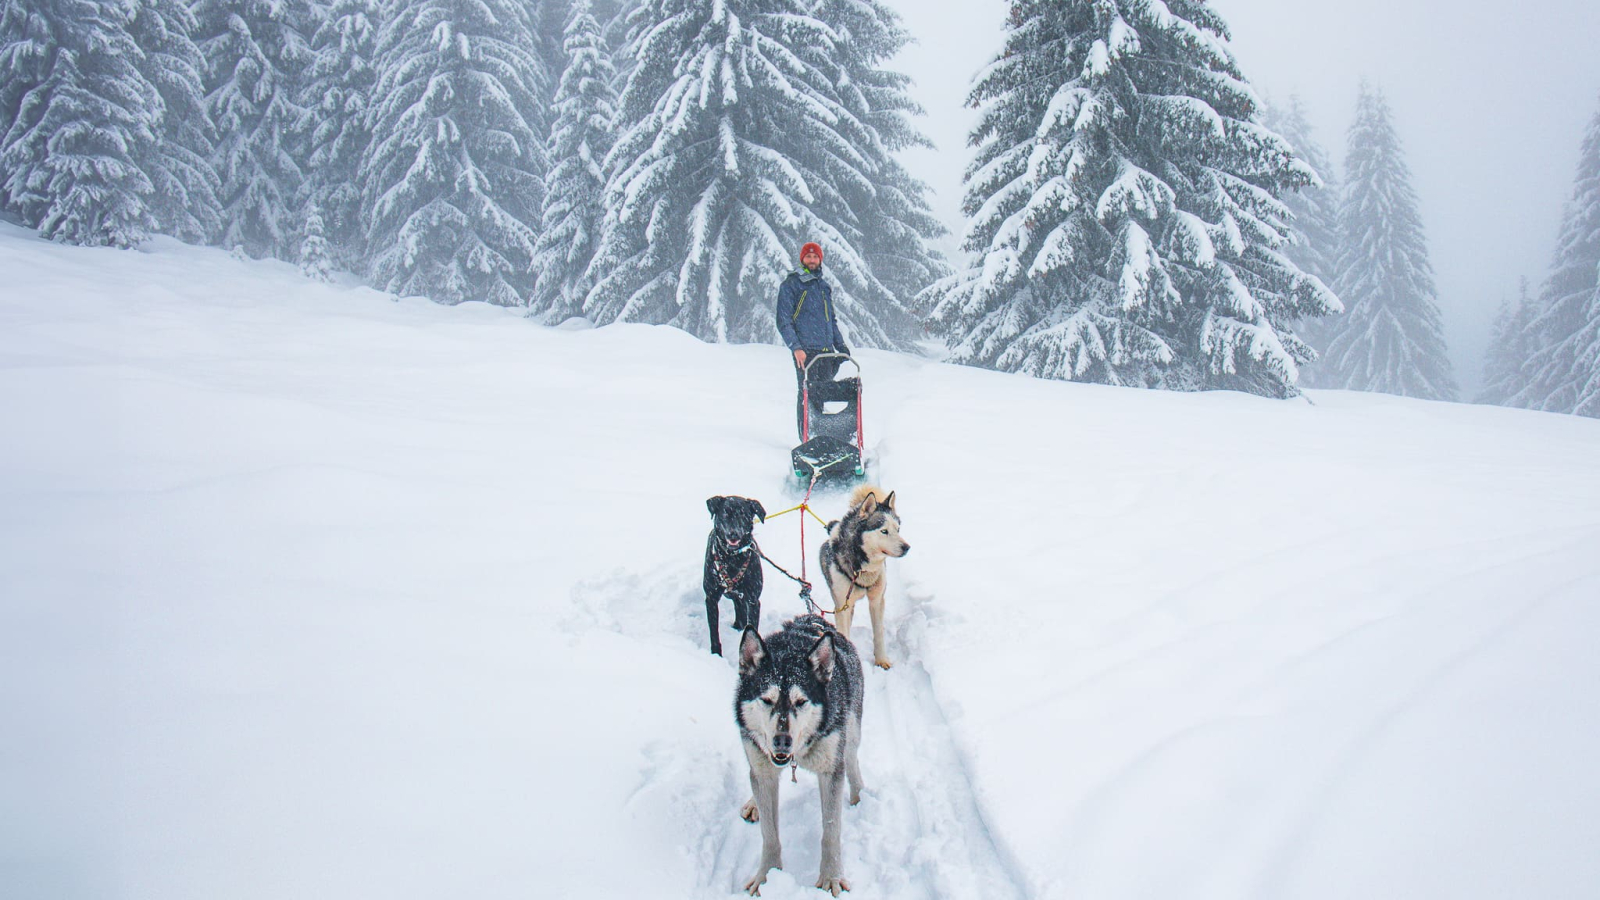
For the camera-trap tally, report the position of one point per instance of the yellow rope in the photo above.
(803, 506)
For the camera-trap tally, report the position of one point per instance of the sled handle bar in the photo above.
(811, 358)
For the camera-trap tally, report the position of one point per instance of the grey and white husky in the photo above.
(799, 703)
(853, 560)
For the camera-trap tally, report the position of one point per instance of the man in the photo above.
(808, 325)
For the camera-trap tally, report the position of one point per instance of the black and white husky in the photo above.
(853, 559)
(799, 703)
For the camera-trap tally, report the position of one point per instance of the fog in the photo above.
(1490, 100)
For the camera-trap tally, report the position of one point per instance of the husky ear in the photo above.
(821, 657)
(751, 651)
(757, 510)
(888, 502)
(714, 505)
(869, 505)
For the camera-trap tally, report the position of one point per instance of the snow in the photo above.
(305, 591)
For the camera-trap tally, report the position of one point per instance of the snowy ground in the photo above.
(305, 592)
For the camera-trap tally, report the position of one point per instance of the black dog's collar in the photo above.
(730, 580)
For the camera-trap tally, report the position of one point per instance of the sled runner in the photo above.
(831, 446)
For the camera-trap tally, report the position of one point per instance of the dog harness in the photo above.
(729, 580)
(849, 596)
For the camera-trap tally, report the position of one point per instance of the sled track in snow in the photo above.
(917, 834)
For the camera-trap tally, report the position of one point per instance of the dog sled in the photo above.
(831, 446)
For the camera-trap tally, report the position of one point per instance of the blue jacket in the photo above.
(805, 313)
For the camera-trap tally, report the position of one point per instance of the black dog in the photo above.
(733, 564)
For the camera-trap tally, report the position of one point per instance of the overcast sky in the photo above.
(1490, 99)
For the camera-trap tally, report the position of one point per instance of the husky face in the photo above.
(880, 529)
(782, 700)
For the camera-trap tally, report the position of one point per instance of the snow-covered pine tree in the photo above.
(897, 225)
(337, 98)
(185, 197)
(1124, 211)
(452, 181)
(1315, 206)
(547, 20)
(613, 17)
(1562, 371)
(73, 157)
(1508, 349)
(736, 150)
(315, 258)
(26, 48)
(574, 203)
(256, 58)
(1316, 218)
(1391, 339)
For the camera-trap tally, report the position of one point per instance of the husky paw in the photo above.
(753, 886)
(855, 796)
(748, 812)
(833, 884)
(882, 662)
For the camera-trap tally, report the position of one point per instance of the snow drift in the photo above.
(305, 591)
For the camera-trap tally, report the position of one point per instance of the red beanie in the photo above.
(810, 245)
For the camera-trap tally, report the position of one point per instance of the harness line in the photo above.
(805, 586)
(850, 597)
(800, 506)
